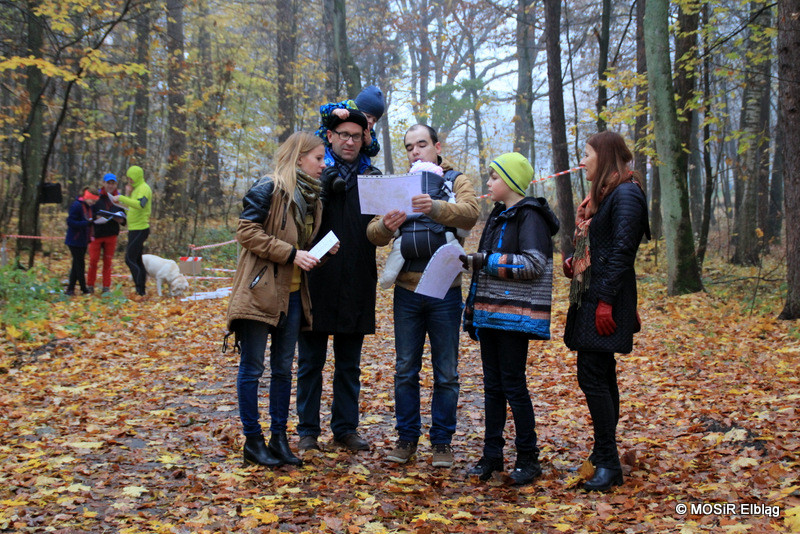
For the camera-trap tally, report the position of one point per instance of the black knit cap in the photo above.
(354, 116)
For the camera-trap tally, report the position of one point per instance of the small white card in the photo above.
(324, 245)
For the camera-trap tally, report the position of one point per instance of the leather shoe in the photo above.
(353, 442)
(279, 446)
(485, 467)
(308, 443)
(256, 452)
(604, 478)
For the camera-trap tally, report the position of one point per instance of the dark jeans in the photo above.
(311, 356)
(504, 355)
(133, 257)
(253, 339)
(414, 316)
(77, 273)
(597, 377)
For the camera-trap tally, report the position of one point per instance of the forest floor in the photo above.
(121, 416)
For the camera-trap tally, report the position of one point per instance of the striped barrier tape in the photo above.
(561, 173)
(15, 236)
(195, 247)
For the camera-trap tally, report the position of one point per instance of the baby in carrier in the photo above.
(395, 260)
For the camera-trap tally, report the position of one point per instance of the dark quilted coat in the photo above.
(614, 236)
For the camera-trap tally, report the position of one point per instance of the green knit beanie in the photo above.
(515, 170)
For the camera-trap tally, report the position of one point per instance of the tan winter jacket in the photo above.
(267, 233)
(462, 214)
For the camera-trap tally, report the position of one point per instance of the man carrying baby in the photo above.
(416, 315)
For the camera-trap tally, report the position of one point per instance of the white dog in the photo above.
(164, 270)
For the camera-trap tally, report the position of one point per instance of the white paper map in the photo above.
(441, 270)
(379, 195)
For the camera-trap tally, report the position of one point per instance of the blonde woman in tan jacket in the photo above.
(280, 216)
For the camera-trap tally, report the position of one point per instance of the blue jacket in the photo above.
(513, 291)
(79, 225)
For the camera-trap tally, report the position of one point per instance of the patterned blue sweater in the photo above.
(513, 291)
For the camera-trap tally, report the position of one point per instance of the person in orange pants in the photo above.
(106, 230)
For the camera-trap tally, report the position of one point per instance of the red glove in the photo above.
(569, 272)
(603, 320)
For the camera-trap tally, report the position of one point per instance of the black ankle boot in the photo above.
(526, 469)
(279, 446)
(256, 452)
(485, 467)
(604, 478)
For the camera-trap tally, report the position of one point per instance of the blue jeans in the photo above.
(414, 316)
(312, 353)
(253, 338)
(504, 355)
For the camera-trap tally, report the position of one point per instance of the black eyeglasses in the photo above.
(345, 136)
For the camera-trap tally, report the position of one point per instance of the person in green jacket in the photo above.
(138, 200)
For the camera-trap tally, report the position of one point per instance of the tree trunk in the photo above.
(211, 89)
(175, 184)
(33, 143)
(287, 54)
(683, 274)
(523, 118)
(751, 144)
(789, 116)
(686, 67)
(656, 225)
(349, 70)
(603, 40)
(709, 176)
(640, 128)
(775, 214)
(558, 132)
(332, 70)
(476, 112)
(141, 102)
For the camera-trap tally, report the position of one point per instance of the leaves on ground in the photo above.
(126, 421)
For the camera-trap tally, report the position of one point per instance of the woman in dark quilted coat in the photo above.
(602, 316)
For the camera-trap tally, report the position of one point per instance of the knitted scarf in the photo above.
(582, 259)
(306, 194)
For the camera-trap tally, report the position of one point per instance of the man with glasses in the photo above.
(342, 293)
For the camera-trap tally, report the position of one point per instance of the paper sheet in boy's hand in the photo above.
(441, 270)
(379, 195)
(324, 245)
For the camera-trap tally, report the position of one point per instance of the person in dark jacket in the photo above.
(342, 294)
(79, 235)
(508, 304)
(602, 316)
(106, 231)
(280, 216)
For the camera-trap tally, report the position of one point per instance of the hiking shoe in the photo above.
(442, 455)
(402, 452)
(353, 442)
(526, 469)
(308, 443)
(485, 467)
